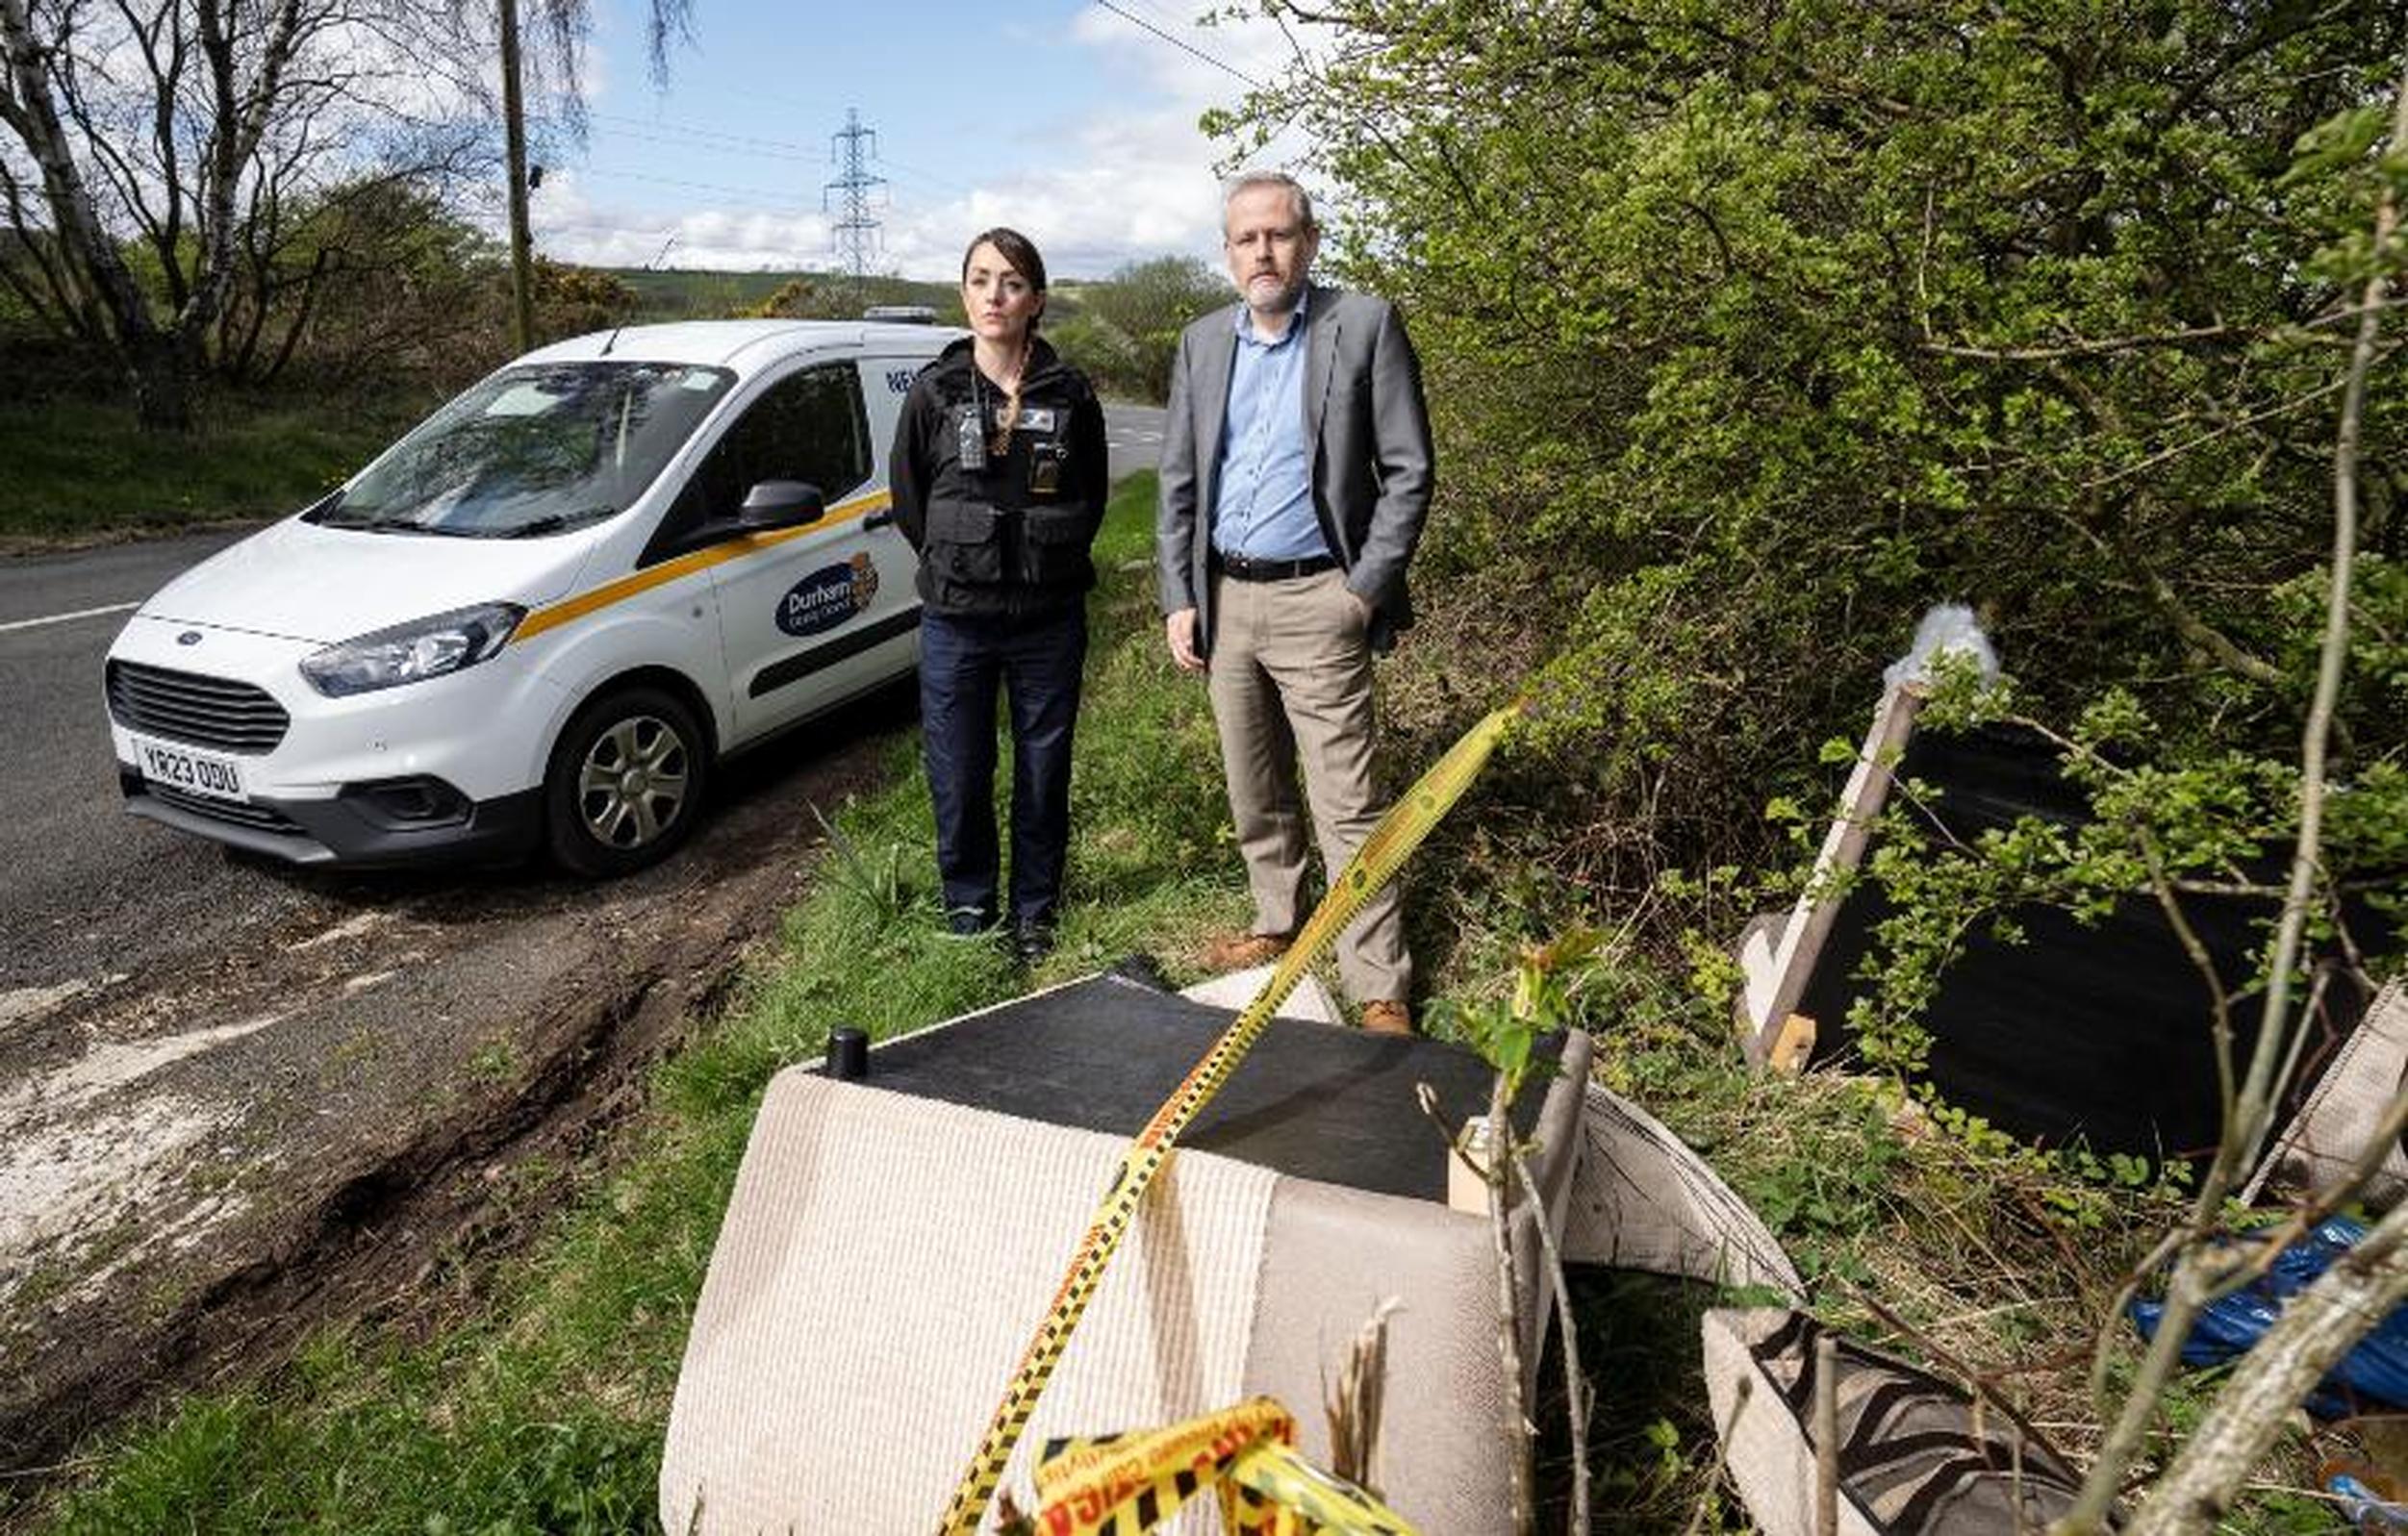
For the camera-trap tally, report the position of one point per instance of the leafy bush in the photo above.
(1751, 332)
(1131, 323)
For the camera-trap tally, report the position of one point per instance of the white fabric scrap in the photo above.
(1948, 628)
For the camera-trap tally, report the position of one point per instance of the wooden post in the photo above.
(1826, 1436)
(515, 140)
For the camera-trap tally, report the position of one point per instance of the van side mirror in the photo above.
(781, 504)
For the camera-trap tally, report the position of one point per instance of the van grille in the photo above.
(204, 711)
(234, 813)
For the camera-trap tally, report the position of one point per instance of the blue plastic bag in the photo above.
(2377, 1371)
(2366, 1507)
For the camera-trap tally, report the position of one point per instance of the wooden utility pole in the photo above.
(515, 137)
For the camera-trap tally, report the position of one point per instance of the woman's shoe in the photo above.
(969, 922)
(1031, 942)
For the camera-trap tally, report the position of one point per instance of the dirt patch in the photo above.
(196, 1170)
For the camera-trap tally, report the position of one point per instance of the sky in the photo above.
(1072, 122)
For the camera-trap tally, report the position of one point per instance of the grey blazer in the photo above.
(1369, 428)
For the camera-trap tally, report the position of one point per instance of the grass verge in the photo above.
(79, 470)
(533, 1396)
(535, 1401)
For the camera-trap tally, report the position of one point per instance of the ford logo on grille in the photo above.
(191, 637)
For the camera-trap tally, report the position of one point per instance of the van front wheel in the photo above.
(625, 783)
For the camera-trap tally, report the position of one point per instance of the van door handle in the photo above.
(879, 519)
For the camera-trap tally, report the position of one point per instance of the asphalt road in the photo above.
(85, 889)
(1136, 435)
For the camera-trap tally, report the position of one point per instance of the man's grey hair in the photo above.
(1248, 181)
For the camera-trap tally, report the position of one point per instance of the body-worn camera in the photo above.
(969, 439)
(1045, 469)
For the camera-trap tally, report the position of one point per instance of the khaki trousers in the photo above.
(1290, 677)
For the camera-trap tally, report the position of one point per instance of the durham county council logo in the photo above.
(828, 596)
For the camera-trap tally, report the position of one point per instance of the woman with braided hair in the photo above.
(1000, 477)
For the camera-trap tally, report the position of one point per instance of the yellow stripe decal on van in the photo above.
(569, 609)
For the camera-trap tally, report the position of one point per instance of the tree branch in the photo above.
(1575, 1380)
(2353, 1296)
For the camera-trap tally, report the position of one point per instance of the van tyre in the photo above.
(625, 783)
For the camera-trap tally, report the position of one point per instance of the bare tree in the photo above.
(161, 134)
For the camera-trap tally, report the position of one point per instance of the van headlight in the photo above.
(413, 652)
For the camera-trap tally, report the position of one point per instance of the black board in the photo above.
(2097, 1033)
(1311, 1100)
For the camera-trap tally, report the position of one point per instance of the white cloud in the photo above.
(1253, 49)
(570, 221)
(1143, 183)
(1139, 182)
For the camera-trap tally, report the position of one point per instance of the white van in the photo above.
(542, 617)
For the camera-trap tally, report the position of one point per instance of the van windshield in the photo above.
(532, 451)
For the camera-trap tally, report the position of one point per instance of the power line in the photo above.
(928, 176)
(787, 144)
(692, 138)
(1182, 44)
(612, 226)
(686, 136)
(1162, 16)
(777, 201)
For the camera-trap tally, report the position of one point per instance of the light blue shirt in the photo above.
(1263, 505)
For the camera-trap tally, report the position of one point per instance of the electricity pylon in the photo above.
(855, 231)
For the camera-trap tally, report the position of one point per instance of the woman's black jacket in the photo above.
(1009, 540)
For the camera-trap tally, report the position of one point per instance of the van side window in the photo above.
(810, 425)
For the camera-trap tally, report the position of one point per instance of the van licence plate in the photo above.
(181, 768)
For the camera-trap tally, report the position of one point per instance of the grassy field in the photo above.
(677, 294)
(79, 470)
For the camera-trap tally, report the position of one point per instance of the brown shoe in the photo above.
(1243, 951)
(1388, 1017)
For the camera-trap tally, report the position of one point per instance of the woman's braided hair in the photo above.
(1020, 252)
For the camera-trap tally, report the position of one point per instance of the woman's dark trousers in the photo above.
(1036, 663)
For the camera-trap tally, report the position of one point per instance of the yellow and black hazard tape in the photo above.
(1125, 1485)
(1374, 864)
